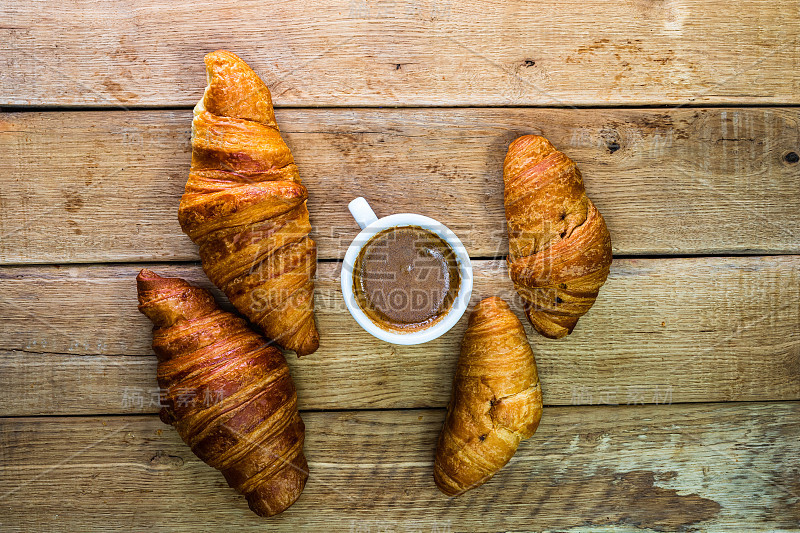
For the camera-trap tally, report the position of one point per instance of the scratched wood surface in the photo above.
(103, 186)
(408, 52)
(675, 404)
(644, 468)
(664, 330)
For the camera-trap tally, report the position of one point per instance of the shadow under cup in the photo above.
(406, 279)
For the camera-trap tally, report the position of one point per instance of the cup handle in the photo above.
(362, 212)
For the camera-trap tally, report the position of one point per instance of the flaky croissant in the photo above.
(496, 401)
(245, 207)
(227, 392)
(559, 246)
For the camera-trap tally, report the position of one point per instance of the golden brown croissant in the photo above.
(245, 207)
(496, 402)
(227, 392)
(559, 246)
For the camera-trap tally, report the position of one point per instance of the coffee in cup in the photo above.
(406, 278)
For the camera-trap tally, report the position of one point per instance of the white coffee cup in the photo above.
(371, 225)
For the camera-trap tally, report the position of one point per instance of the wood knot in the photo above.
(164, 461)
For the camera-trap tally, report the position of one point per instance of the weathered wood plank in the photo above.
(434, 52)
(104, 186)
(717, 467)
(664, 330)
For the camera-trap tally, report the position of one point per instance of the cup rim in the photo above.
(460, 303)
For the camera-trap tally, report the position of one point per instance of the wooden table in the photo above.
(673, 405)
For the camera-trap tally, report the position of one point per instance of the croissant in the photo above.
(559, 246)
(245, 207)
(227, 392)
(496, 402)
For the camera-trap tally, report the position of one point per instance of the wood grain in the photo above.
(662, 331)
(105, 186)
(85, 189)
(645, 468)
(407, 52)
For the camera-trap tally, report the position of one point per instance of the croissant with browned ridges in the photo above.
(227, 392)
(559, 246)
(245, 207)
(496, 400)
